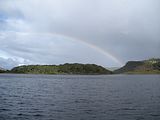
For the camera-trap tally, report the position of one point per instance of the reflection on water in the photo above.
(60, 97)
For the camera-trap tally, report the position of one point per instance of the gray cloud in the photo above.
(127, 29)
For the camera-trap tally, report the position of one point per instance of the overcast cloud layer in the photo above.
(60, 31)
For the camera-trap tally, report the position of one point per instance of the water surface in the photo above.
(66, 97)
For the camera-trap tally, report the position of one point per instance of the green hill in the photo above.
(61, 69)
(151, 66)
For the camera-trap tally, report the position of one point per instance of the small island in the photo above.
(75, 68)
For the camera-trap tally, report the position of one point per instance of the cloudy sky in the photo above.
(104, 32)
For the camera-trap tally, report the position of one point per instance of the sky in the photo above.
(103, 32)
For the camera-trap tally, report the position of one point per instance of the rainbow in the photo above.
(90, 45)
(103, 52)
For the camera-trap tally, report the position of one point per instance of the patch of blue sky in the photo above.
(3, 17)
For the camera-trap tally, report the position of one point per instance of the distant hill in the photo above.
(61, 69)
(141, 67)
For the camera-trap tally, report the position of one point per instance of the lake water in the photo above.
(67, 97)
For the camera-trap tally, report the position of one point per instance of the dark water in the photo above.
(47, 97)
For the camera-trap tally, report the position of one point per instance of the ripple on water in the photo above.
(31, 97)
